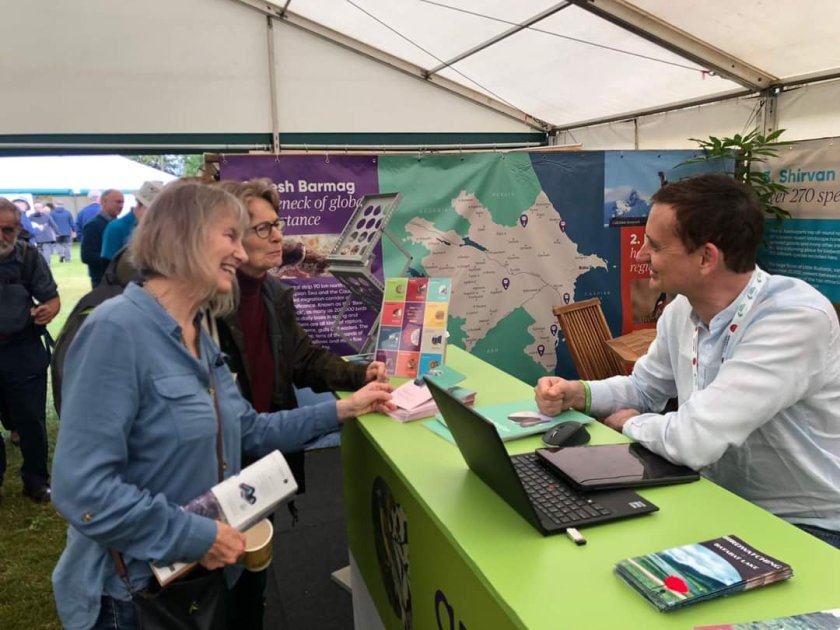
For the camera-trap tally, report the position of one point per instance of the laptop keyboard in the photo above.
(558, 502)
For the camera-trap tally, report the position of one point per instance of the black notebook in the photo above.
(609, 466)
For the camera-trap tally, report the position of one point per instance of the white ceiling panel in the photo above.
(786, 38)
(423, 33)
(577, 67)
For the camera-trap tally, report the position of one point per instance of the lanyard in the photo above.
(758, 281)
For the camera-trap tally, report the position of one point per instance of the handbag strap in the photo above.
(122, 571)
(220, 449)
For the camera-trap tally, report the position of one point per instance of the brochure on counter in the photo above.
(240, 501)
(680, 576)
(512, 420)
(414, 400)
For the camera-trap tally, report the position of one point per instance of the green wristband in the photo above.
(587, 398)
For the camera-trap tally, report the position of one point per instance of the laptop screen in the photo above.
(483, 450)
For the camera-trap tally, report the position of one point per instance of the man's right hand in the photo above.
(228, 547)
(555, 395)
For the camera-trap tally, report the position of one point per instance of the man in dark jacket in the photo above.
(28, 301)
(112, 203)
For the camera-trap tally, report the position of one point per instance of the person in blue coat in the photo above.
(129, 455)
(118, 232)
(65, 222)
(27, 231)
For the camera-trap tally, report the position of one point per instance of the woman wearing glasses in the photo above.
(269, 350)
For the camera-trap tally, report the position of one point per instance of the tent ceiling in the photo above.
(570, 65)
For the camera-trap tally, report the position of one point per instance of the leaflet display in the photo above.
(412, 329)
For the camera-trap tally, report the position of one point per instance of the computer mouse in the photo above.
(569, 433)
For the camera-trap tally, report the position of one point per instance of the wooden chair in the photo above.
(585, 328)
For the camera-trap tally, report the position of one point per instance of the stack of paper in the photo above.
(685, 575)
(415, 402)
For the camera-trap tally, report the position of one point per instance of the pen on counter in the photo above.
(575, 536)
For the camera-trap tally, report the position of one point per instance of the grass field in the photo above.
(32, 536)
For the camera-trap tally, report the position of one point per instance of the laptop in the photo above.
(543, 499)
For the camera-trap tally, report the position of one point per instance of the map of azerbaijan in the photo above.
(498, 268)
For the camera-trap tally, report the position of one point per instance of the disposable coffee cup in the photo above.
(258, 547)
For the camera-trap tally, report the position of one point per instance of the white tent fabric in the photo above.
(414, 66)
(73, 175)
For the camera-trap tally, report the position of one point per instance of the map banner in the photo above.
(517, 233)
(631, 178)
(318, 194)
(638, 301)
(807, 245)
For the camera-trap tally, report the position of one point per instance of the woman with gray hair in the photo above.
(271, 353)
(132, 451)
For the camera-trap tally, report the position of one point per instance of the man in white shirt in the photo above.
(753, 358)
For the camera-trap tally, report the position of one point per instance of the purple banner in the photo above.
(318, 194)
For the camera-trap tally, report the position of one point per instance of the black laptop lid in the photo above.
(607, 466)
(484, 451)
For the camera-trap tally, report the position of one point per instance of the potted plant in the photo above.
(739, 156)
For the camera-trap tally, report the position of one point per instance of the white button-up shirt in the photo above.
(763, 423)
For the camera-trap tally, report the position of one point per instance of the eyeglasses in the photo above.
(8, 230)
(263, 230)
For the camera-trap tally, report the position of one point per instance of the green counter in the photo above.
(437, 548)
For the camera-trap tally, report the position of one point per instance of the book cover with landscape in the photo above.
(680, 576)
(821, 620)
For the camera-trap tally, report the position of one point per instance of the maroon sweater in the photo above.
(252, 319)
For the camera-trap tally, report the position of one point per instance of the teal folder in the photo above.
(507, 428)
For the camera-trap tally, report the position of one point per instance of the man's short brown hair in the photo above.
(717, 209)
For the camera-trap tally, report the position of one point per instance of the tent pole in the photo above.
(272, 85)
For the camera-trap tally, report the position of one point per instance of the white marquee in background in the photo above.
(242, 66)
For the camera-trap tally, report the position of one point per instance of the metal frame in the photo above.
(663, 34)
(353, 270)
(539, 17)
(292, 19)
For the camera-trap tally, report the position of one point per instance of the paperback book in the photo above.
(821, 620)
(680, 576)
(415, 402)
(512, 420)
(240, 501)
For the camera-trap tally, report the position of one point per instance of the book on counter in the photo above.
(680, 576)
(415, 402)
(512, 420)
(241, 501)
(820, 620)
